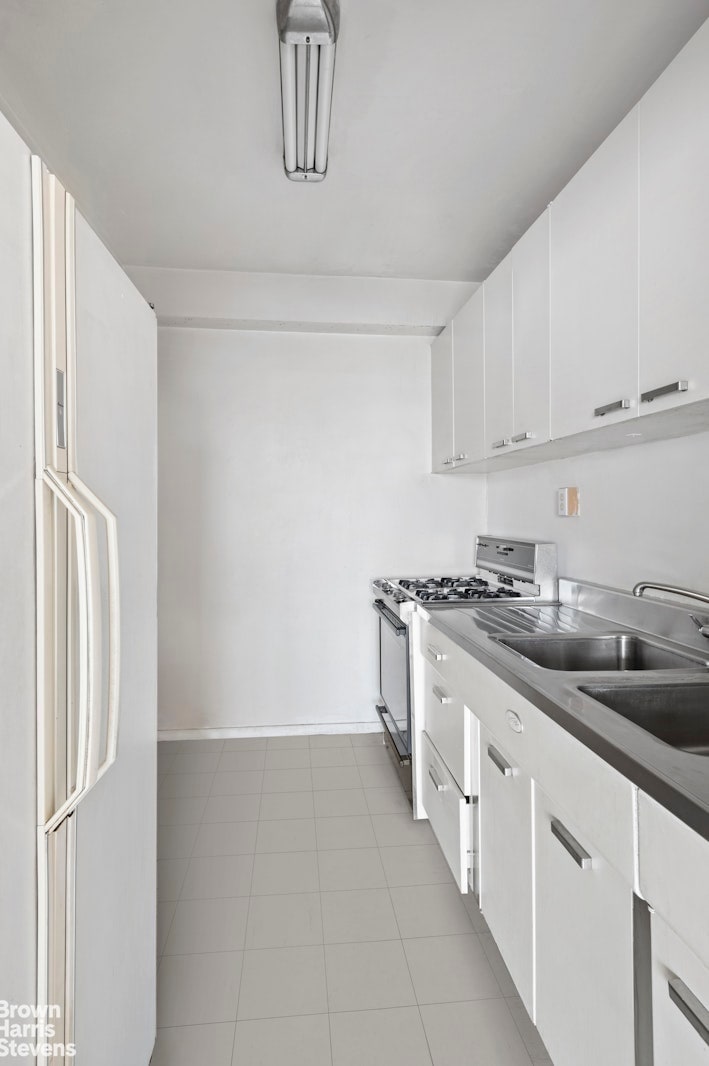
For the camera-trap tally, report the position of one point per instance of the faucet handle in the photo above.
(702, 624)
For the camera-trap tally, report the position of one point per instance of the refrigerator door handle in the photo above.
(89, 732)
(114, 626)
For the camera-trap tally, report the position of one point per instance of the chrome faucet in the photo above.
(702, 624)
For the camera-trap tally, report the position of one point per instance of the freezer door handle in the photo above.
(114, 627)
(89, 615)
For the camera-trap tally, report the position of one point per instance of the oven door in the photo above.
(394, 673)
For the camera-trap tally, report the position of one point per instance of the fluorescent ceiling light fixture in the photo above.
(308, 32)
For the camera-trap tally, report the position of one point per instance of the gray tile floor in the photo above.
(304, 918)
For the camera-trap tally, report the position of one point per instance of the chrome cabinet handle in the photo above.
(522, 436)
(460, 457)
(571, 844)
(617, 405)
(437, 783)
(440, 695)
(694, 1011)
(500, 762)
(447, 462)
(664, 390)
(702, 624)
(435, 654)
(502, 443)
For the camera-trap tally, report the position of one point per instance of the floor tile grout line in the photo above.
(355, 1010)
(243, 953)
(182, 884)
(408, 968)
(324, 954)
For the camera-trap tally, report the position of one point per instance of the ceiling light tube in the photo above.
(301, 82)
(322, 129)
(311, 103)
(308, 32)
(288, 96)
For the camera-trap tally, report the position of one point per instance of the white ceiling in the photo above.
(454, 123)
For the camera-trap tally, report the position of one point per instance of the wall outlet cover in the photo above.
(568, 504)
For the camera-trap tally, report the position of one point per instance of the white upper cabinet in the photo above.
(517, 345)
(499, 402)
(594, 289)
(469, 381)
(442, 400)
(674, 230)
(530, 316)
(458, 389)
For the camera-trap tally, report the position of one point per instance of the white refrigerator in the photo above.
(78, 662)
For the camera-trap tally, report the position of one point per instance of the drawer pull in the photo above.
(502, 443)
(694, 1011)
(460, 457)
(664, 390)
(519, 437)
(447, 462)
(500, 762)
(617, 405)
(571, 844)
(437, 783)
(440, 695)
(435, 654)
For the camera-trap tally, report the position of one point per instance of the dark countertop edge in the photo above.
(685, 807)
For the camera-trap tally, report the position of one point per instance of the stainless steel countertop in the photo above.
(677, 779)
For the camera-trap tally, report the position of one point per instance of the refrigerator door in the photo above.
(18, 913)
(113, 449)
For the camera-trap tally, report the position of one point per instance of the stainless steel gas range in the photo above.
(520, 570)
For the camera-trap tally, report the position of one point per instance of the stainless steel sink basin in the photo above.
(676, 714)
(616, 651)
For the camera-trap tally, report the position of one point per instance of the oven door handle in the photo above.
(396, 624)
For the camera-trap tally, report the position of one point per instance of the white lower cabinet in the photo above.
(447, 810)
(680, 1001)
(506, 895)
(583, 946)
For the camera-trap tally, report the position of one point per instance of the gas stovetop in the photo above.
(505, 570)
(442, 590)
(454, 589)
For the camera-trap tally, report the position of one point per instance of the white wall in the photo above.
(644, 512)
(293, 469)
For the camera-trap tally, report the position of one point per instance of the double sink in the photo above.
(677, 713)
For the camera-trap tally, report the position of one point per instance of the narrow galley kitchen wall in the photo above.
(644, 510)
(294, 468)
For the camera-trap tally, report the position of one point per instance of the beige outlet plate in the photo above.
(568, 502)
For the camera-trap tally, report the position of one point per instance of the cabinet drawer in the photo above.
(680, 1001)
(452, 663)
(447, 812)
(673, 865)
(447, 723)
(593, 794)
(506, 880)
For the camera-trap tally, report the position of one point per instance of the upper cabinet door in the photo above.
(469, 381)
(594, 289)
(442, 401)
(497, 292)
(530, 312)
(674, 230)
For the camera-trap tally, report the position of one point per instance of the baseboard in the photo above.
(231, 732)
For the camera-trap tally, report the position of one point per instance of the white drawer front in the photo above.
(673, 864)
(680, 1001)
(448, 725)
(447, 812)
